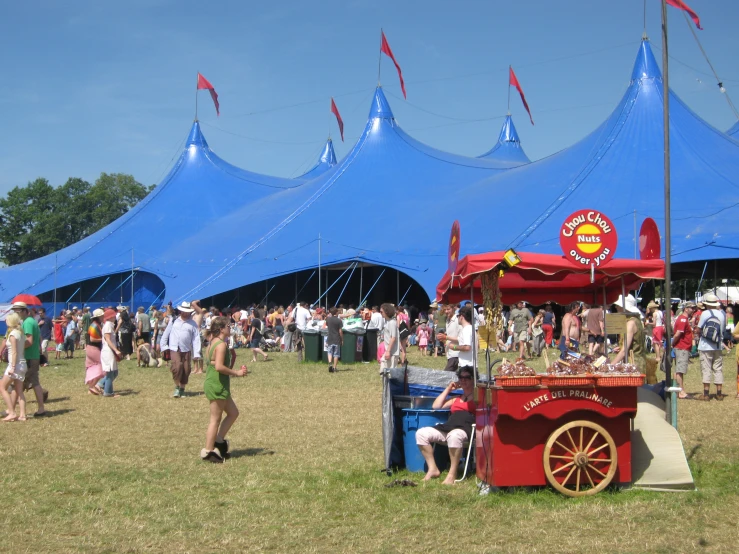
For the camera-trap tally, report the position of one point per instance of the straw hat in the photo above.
(185, 307)
(711, 300)
(98, 313)
(19, 306)
(652, 304)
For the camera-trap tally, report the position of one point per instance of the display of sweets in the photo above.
(518, 369)
(572, 366)
(618, 369)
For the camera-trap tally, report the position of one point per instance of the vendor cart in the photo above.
(575, 438)
(573, 433)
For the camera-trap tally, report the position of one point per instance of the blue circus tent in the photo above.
(200, 187)
(734, 131)
(618, 169)
(325, 162)
(508, 148)
(383, 204)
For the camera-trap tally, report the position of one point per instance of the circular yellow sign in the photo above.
(588, 238)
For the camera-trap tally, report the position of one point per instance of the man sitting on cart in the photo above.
(458, 429)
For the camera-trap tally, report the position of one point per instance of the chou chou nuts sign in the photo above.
(588, 238)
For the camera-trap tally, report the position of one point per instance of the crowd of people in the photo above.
(189, 336)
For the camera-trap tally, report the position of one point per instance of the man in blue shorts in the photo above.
(335, 337)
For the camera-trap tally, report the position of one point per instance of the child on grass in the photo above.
(16, 371)
(423, 338)
(217, 387)
(59, 335)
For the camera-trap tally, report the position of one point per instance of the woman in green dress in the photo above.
(218, 391)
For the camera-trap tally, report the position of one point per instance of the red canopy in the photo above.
(541, 278)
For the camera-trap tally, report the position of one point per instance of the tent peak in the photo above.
(380, 108)
(645, 66)
(508, 132)
(196, 137)
(328, 156)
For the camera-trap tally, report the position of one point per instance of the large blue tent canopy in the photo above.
(200, 187)
(618, 169)
(382, 204)
(734, 131)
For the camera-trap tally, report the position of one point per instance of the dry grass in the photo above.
(123, 475)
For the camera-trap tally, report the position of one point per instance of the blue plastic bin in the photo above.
(413, 420)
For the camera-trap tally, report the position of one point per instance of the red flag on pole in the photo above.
(385, 49)
(204, 84)
(679, 4)
(513, 82)
(335, 111)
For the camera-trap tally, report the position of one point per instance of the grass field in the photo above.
(124, 475)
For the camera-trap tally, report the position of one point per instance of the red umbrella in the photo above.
(29, 299)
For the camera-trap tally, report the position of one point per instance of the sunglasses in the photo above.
(465, 377)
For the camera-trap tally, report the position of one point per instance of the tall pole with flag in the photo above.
(204, 84)
(670, 399)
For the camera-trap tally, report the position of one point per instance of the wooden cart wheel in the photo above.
(580, 458)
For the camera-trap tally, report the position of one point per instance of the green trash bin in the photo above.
(313, 346)
(351, 348)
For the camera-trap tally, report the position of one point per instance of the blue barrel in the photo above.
(413, 420)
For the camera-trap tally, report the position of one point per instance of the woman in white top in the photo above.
(16, 371)
(109, 354)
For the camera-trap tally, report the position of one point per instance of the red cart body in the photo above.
(514, 424)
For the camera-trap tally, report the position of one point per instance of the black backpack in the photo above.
(711, 330)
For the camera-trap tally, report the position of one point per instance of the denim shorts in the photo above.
(334, 350)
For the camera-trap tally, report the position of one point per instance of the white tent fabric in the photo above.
(657, 456)
(721, 292)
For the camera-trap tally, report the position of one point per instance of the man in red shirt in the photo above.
(682, 342)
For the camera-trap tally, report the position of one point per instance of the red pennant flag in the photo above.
(335, 111)
(513, 82)
(385, 49)
(679, 4)
(204, 84)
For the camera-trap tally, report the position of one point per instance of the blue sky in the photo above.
(92, 86)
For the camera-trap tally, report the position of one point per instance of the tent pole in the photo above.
(361, 282)
(474, 332)
(605, 331)
(671, 400)
(132, 308)
(196, 97)
(319, 269)
(56, 265)
(636, 239)
(397, 284)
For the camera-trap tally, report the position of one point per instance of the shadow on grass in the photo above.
(53, 413)
(693, 451)
(194, 393)
(60, 399)
(127, 392)
(249, 452)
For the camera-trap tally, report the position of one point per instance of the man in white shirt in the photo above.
(182, 339)
(712, 362)
(302, 316)
(463, 344)
(451, 335)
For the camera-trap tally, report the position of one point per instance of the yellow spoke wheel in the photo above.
(580, 458)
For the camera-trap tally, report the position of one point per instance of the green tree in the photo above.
(39, 219)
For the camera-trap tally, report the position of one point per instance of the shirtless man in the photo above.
(570, 338)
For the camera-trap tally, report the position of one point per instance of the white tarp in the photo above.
(4, 310)
(657, 456)
(721, 292)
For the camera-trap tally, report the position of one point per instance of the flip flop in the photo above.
(93, 391)
(683, 396)
(10, 419)
(21, 419)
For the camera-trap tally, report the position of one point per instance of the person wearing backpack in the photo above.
(711, 326)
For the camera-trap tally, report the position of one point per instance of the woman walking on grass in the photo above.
(218, 391)
(109, 354)
(93, 347)
(16, 371)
